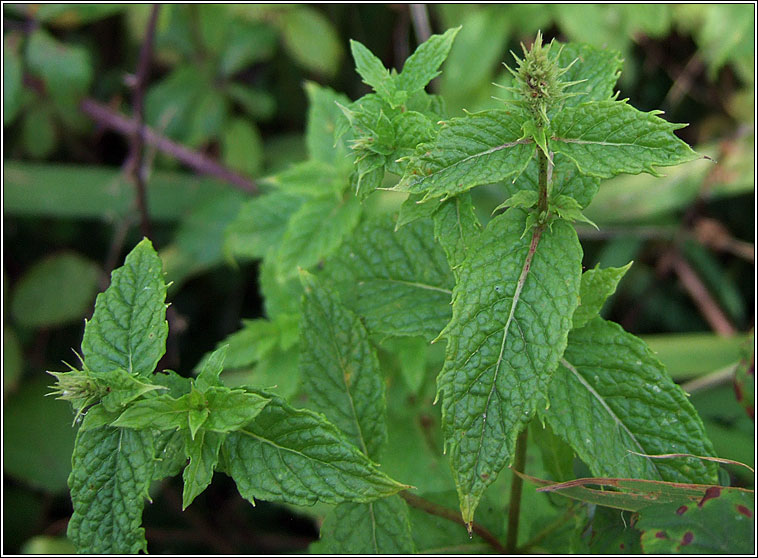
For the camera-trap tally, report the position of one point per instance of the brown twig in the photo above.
(712, 233)
(138, 137)
(102, 114)
(445, 513)
(708, 381)
(699, 293)
(421, 26)
(683, 82)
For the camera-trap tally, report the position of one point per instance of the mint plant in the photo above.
(360, 299)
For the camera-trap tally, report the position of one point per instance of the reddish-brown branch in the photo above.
(700, 295)
(103, 114)
(445, 513)
(138, 136)
(421, 26)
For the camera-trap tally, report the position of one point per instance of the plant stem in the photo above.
(441, 511)
(543, 181)
(138, 138)
(421, 25)
(516, 488)
(102, 114)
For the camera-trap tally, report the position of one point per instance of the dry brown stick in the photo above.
(102, 114)
(445, 513)
(700, 295)
(421, 26)
(138, 137)
(683, 82)
(712, 233)
(721, 376)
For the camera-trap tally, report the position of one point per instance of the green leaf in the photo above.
(74, 15)
(278, 372)
(298, 457)
(339, 368)
(379, 527)
(368, 176)
(242, 146)
(280, 296)
(122, 388)
(422, 66)
(456, 228)
(44, 544)
(323, 114)
(260, 224)
(259, 104)
(207, 117)
(622, 400)
(723, 522)
(724, 36)
(399, 281)
(218, 409)
(480, 148)
(65, 69)
(197, 245)
(170, 104)
(77, 192)
(311, 40)
(609, 532)
(472, 61)
(37, 437)
(170, 456)
(128, 329)
(744, 376)
(13, 363)
(415, 207)
(411, 128)
(112, 470)
(203, 453)
(309, 178)
(196, 419)
(12, 78)
(689, 355)
(54, 291)
(597, 285)
(566, 207)
(374, 73)
(231, 409)
(251, 343)
(412, 357)
(512, 309)
(315, 231)
(598, 70)
(162, 412)
(606, 138)
(211, 369)
(38, 133)
(557, 455)
(246, 43)
(525, 199)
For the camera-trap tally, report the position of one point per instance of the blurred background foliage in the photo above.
(226, 82)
